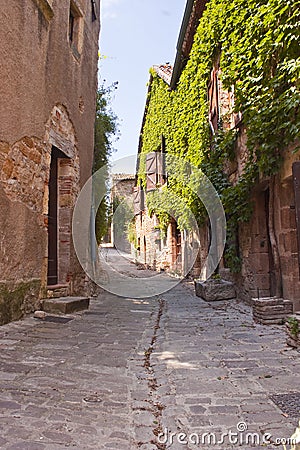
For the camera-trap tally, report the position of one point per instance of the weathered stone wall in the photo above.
(48, 92)
(286, 230)
(254, 241)
(37, 49)
(254, 251)
(154, 249)
(161, 251)
(123, 187)
(17, 299)
(122, 192)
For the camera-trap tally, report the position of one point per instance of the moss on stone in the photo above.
(17, 299)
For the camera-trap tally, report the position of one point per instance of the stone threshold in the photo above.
(65, 305)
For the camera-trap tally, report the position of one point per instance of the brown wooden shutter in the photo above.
(151, 170)
(138, 200)
(142, 199)
(161, 170)
(296, 179)
(213, 98)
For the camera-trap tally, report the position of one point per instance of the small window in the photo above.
(45, 6)
(71, 26)
(221, 104)
(75, 28)
(94, 11)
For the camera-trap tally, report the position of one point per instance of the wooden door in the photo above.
(296, 181)
(272, 271)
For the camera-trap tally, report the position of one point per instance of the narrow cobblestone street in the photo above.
(150, 225)
(126, 370)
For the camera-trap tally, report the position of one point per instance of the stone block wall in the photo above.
(162, 252)
(154, 249)
(271, 310)
(51, 103)
(287, 240)
(258, 277)
(254, 279)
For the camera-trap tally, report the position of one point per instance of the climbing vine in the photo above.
(257, 45)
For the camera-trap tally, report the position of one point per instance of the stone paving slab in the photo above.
(118, 375)
(68, 385)
(222, 368)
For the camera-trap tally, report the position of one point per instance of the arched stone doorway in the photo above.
(60, 196)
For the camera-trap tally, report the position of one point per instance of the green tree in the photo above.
(106, 132)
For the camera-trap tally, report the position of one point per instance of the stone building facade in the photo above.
(269, 244)
(49, 57)
(122, 205)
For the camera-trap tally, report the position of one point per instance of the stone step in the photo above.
(271, 310)
(57, 290)
(215, 290)
(65, 305)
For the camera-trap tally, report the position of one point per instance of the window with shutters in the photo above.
(155, 167)
(138, 200)
(213, 99)
(162, 162)
(221, 104)
(236, 117)
(151, 171)
(155, 170)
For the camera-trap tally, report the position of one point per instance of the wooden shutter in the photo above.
(296, 179)
(151, 170)
(138, 200)
(161, 167)
(213, 98)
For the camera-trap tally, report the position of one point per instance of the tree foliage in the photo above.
(106, 131)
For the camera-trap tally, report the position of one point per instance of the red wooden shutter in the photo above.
(213, 98)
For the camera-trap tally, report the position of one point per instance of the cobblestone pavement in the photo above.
(118, 375)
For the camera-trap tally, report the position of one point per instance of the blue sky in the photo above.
(135, 34)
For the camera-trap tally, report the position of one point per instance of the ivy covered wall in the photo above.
(256, 44)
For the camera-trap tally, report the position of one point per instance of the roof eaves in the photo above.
(178, 58)
(193, 12)
(142, 127)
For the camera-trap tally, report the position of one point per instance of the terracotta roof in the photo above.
(122, 176)
(164, 71)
